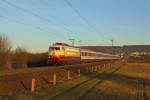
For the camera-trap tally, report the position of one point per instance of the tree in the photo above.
(5, 50)
(20, 59)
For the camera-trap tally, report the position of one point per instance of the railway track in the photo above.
(84, 87)
(108, 76)
(141, 91)
(141, 86)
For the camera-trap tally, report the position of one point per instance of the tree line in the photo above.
(18, 58)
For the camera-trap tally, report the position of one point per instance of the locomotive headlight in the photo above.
(54, 54)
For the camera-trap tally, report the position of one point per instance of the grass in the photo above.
(64, 90)
(74, 93)
(123, 85)
(48, 92)
(109, 90)
(81, 90)
(140, 70)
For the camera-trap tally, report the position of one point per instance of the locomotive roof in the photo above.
(64, 44)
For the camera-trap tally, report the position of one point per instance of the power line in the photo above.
(65, 25)
(112, 41)
(43, 2)
(48, 20)
(82, 17)
(34, 14)
(78, 13)
(46, 4)
(25, 24)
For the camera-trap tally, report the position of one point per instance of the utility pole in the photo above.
(72, 41)
(112, 41)
(80, 42)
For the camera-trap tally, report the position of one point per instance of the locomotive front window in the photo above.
(54, 48)
(57, 48)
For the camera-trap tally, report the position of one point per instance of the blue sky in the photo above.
(35, 24)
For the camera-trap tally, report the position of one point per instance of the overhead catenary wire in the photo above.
(25, 24)
(78, 13)
(47, 19)
(45, 3)
(36, 15)
(83, 18)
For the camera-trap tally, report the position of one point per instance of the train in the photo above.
(61, 53)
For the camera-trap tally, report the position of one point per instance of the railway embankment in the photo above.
(29, 80)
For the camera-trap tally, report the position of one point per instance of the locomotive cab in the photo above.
(56, 54)
(60, 53)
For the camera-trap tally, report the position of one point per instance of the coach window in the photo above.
(93, 54)
(85, 54)
(97, 55)
(82, 54)
(57, 48)
(89, 54)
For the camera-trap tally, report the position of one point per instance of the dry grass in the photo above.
(109, 90)
(140, 70)
(125, 84)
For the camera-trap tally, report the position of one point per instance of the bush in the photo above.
(37, 60)
(20, 58)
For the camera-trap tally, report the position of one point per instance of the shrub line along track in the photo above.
(94, 81)
(17, 80)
